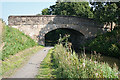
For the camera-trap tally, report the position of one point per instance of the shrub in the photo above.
(69, 66)
(107, 44)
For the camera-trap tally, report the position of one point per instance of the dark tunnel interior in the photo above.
(76, 38)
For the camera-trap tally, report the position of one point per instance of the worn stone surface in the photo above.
(37, 26)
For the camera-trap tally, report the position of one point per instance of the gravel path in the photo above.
(30, 69)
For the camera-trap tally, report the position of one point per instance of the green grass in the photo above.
(68, 65)
(17, 50)
(11, 64)
(46, 67)
(15, 41)
(59, 63)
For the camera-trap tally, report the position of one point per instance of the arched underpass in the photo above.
(76, 38)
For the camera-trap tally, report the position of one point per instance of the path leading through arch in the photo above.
(30, 69)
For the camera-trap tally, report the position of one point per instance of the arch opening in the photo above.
(76, 38)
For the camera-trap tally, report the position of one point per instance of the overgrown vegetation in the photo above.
(15, 41)
(62, 62)
(107, 44)
(69, 66)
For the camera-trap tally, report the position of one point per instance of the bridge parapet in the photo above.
(50, 19)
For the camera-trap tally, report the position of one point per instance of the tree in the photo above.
(46, 11)
(118, 12)
(62, 8)
(81, 9)
(38, 14)
(105, 12)
(110, 13)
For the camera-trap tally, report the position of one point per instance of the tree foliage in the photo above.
(46, 11)
(81, 9)
(106, 12)
(103, 12)
(107, 44)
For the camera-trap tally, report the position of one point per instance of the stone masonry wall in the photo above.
(37, 26)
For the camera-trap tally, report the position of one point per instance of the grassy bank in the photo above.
(11, 64)
(69, 66)
(61, 63)
(16, 50)
(2, 24)
(1, 43)
(15, 41)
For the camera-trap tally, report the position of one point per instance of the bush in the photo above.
(69, 66)
(15, 41)
(107, 44)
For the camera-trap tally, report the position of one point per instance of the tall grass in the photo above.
(15, 41)
(70, 66)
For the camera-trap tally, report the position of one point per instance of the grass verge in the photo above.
(15, 41)
(46, 67)
(62, 64)
(70, 66)
(13, 63)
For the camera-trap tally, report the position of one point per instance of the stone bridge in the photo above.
(38, 26)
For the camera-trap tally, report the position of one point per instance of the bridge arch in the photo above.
(52, 37)
(37, 26)
(49, 28)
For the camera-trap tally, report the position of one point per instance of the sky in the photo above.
(22, 8)
(25, 7)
